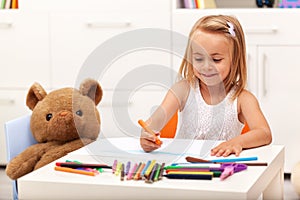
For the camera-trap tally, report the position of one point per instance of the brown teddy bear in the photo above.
(62, 121)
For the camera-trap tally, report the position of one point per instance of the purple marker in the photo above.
(114, 167)
(127, 168)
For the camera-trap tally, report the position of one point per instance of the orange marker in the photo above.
(144, 125)
(138, 173)
(76, 171)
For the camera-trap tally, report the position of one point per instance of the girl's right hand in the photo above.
(147, 141)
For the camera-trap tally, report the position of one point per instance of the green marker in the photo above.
(157, 172)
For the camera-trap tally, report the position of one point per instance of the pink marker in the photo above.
(129, 176)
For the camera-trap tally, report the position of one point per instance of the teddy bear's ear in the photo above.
(35, 94)
(92, 89)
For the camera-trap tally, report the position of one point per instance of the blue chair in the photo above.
(18, 138)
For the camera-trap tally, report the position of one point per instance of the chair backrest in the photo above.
(170, 128)
(18, 138)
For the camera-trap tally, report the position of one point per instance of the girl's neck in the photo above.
(212, 95)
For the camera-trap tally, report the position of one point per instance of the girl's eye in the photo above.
(198, 59)
(79, 113)
(48, 116)
(217, 60)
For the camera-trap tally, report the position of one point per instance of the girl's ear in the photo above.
(92, 89)
(35, 94)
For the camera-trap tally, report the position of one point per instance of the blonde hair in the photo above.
(231, 28)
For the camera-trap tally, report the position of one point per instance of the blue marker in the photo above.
(145, 168)
(234, 159)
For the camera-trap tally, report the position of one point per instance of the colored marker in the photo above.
(150, 178)
(234, 159)
(161, 171)
(137, 176)
(114, 167)
(81, 165)
(129, 176)
(145, 168)
(145, 126)
(118, 169)
(157, 170)
(238, 159)
(122, 172)
(127, 168)
(76, 171)
(199, 176)
(149, 169)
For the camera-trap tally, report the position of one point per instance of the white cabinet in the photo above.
(273, 45)
(76, 35)
(24, 49)
(279, 96)
(49, 41)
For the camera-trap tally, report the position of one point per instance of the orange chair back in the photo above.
(245, 129)
(170, 128)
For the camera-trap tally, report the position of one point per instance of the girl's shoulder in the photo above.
(246, 98)
(246, 95)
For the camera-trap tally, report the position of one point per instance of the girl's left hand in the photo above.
(226, 148)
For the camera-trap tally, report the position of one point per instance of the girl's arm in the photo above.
(259, 134)
(173, 101)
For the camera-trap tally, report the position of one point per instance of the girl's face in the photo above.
(211, 58)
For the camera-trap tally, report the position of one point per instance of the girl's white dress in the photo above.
(209, 122)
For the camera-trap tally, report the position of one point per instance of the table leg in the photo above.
(275, 188)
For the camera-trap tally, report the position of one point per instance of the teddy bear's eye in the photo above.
(48, 116)
(79, 113)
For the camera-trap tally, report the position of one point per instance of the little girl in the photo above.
(211, 96)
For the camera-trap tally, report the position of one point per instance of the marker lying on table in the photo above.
(191, 175)
(81, 165)
(76, 171)
(144, 126)
(228, 160)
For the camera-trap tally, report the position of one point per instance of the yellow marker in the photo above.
(118, 169)
(149, 169)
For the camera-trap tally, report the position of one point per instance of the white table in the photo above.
(254, 183)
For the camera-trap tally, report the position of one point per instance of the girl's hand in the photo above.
(147, 141)
(226, 148)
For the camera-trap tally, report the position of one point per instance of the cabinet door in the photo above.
(252, 78)
(121, 110)
(74, 36)
(24, 49)
(279, 96)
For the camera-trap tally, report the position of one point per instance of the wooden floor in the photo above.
(6, 188)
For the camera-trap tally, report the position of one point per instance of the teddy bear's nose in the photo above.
(63, 113)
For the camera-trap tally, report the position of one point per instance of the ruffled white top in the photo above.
(209, 122)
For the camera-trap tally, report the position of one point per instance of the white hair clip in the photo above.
(231, 29)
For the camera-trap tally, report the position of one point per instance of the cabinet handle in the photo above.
(264, 74)
(262, 30)
(99, 24)
(6, 24)
(7, 101)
